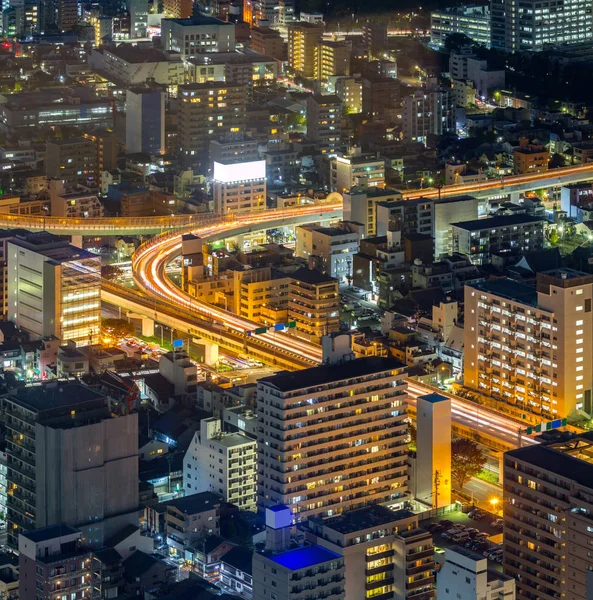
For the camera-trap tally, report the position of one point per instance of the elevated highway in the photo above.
(106, 226)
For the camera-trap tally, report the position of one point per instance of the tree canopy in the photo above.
(467, 460)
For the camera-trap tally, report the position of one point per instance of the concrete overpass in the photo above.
(152, 310)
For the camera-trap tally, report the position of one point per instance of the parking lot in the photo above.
(482, 536)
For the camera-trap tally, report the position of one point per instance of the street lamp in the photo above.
(494, 504)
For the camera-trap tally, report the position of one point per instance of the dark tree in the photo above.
(467, 460)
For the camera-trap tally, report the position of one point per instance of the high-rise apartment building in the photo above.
(71, 461)
(67, 14)
(145, 120)
(222, 463)
(138, 11)
(535, 25)
(332, 59)
(54, 288)
(302, 41)
(424, 113)
(349, 91)
(324, 122)
(208, 111)
(531, 346)
(385, 553)
(374, 37)
(268, 42)
(548, 512)
(53, 562)
(314, 303)
(197, 35)
(178, 9)
(74, 161)
(239, 187)
(333, 438)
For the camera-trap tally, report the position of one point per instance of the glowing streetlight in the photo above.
(494, 502)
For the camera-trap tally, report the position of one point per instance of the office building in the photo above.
(145, 120)
(53, 560)
(358, 171)
(534, 26)
(332, 59)
(208, 111)
(239, 188)
(324, 122)
(446, 212)
(258, 292)
(302, 42)
(197, 35)
(202, 466)
(54, 288)
(433, 458)
(328, 470)
(260, 12)
(349, 91)
(268, 42)
(178, 9)
(470, 20)
(135, 65)
(547, 519)
(313, 303)
(179, 370)
(70, 460)
(138, 11)
(331, 248)
(507, 234)
(425, 113)
(408, 216)
(529, 346)
(360, 205)
(385, 553)
(73, 161)
(465, 574)
(529, 159)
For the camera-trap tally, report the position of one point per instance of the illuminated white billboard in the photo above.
(255, 169)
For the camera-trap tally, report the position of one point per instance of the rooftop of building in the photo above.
(330, 231)
(54, 395)
(434, 398)
(509, 289)
(43, 534)
(138, 54)
(326, 99)
(498, 221)
(312, 276)
(289, 381)
(572, 459)
(196, 503)
(198, 20)
(51, 246)
(365, 518)
(304, 557)
(239, 558)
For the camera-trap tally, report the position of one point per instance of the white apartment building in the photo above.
(347, 172)
(178, 369)
(197, 35)
(531, 347)
(222, 463)
(134, 65)
(75, 205)
(239, 188)
(424, 113)
(334, 247)
(333, 438)
(324, 122)
(465, 574)
(54, 288)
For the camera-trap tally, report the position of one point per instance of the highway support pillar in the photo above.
(147, 324)
(76, 240)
